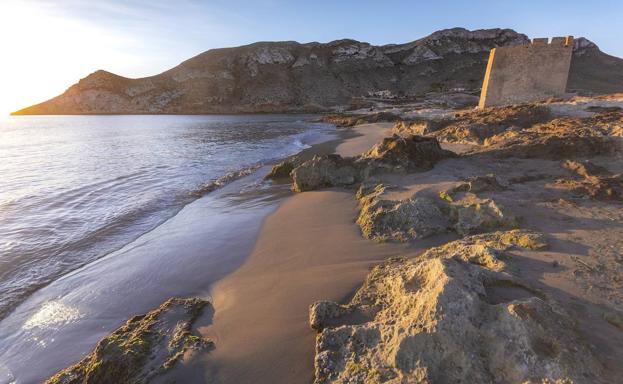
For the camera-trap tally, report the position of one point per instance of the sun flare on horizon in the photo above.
(46, 51)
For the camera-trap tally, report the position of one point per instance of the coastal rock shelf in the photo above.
(419, 217)
(451, 315)
(144, 347)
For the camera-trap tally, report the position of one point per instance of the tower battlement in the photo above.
(526, 73)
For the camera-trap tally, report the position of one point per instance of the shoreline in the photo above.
(215, 233)
(308, 249)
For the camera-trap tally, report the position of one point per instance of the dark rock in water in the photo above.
(410, 153)
(145, 346)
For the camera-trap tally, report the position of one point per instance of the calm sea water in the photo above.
(75, 188)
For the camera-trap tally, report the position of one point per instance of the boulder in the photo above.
(283, 169)
(145, 346)
(392, 154)
(419, 217)
(452, 316)
(326, 171)
(411, 219)
(410, 153)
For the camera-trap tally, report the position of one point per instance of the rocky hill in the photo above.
(293, 77)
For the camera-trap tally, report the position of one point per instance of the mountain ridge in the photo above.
(289, 76)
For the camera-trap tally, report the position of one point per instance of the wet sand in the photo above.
(309, 249)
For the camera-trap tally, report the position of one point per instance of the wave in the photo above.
(224, 180)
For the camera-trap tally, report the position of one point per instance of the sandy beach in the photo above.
(309, 249)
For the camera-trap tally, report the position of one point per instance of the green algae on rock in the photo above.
(145, 346)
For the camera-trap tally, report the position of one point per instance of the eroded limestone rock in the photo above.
(393, 154)
(452, 316)
(409, 153)
(326, 171)
(418, 217)
(593, 181)
(142, 348)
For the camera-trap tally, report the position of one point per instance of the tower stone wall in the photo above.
(526, 73)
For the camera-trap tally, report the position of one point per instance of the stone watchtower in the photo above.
(526, 73)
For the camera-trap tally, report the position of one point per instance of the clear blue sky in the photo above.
(65, 40)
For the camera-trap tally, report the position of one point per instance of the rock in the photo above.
(602, 109)
(418, 217)
(584, 168)
(145, 346)
(452, 316)
(417, 127)
(409, 153)
(326, 171)
(475, 216)
(476, 126)
(283, 169)
(321, 313)
(594, 181)
(393, 154)
(350, 120)
(383, 220)
(561, 138)
(474, 184)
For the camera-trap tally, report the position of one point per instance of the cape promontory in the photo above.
(293, 77)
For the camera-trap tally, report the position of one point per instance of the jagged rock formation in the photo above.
(393, 154)
(525, 131)
(289, 76)
(410, 153)
(561, 138)
(592, 181)
(327, 171)
(475, 127)
(449, 316)
(419, 217)
(350, 120)
(145, 346)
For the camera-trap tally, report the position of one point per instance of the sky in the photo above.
(49, 45)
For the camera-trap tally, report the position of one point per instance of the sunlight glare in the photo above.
(44, 52)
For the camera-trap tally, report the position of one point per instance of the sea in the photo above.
(103, 216)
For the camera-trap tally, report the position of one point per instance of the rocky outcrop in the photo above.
(289, 76)
(410, 153)
(404, 220)
(350, 120)
(418, 217)
(561, 138)
(327, 171)
(146, 346)
(474, 184)
(449, 316)
(393, 154)
(283, 168)
(476, 126)
(592, 181)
